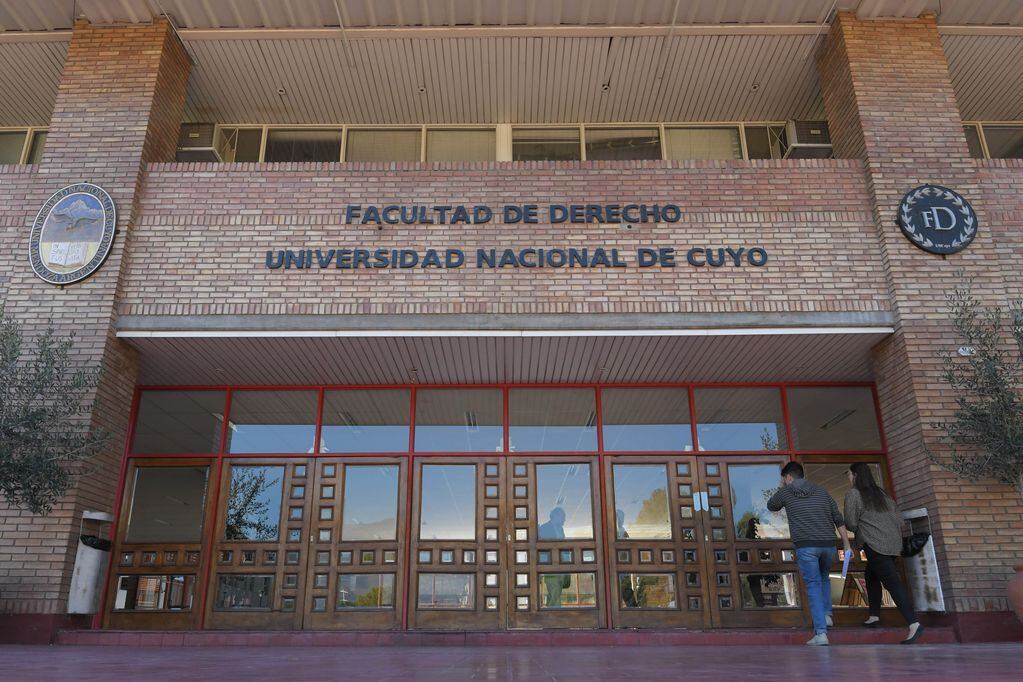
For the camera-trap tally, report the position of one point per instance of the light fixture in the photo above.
(470, 421)
(281, 91)
(754, 87)
(604, 87)
(421, 89)
(836, 420)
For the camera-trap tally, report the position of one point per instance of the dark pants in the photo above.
(881, 572)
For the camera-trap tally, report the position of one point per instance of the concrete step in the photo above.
(561, 638)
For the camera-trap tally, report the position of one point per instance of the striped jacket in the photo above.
(813, 515)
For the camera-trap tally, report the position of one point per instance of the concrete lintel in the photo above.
(135, 325)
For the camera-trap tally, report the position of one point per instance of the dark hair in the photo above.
(793, 469)
(874, 498)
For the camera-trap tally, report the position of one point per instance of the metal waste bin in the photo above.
(922, 569)
(90, 562)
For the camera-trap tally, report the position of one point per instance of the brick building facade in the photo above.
(192, 239)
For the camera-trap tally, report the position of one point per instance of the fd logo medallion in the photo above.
(72, 234)
(937, 219)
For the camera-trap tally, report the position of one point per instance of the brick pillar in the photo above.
(889, 101)
(119, 105)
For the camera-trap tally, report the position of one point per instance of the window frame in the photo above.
(26, 145)
(982, 136)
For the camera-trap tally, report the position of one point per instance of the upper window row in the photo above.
(657, 419)
(549, 143)
(24, 145)
(995, 140)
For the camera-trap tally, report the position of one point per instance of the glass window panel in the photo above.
(179, 422)
(303, 145)
(563, 501)
(245, 592)
(834, 418)
(546, 144)
(35, 152)
(973, 141)
(459, 420)
(739, 419)
(365, 421)
(641, 501)
(769, 590)
(1004, 141)
(11, 145)
(370, 502)
(167, 505)
(365, 591)
(568, 591)
(447, 591)
(751, 486)
(765, 142)
(703, 143)
(448, 502)
(383, 145)
(851, 591)
(154, 593)
(646, 419)
(254, 503)
(646, 591)
(272, 421)
(622, 144)
(461, 145)
(552, 420)
(248, 143)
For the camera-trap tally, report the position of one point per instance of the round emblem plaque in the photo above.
(937, 219)
(72, 234)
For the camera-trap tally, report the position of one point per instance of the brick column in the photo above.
(889, 101)
(119, 105)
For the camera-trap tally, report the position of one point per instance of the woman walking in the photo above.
(873, 517)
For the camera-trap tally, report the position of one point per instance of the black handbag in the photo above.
(914, 544)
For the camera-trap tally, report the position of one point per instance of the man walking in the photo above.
(813, 517)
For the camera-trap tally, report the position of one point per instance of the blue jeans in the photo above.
(815, 567)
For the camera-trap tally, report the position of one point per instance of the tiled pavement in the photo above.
(960, 662)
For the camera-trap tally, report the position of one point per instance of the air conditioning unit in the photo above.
(808, 140)
(197, 143)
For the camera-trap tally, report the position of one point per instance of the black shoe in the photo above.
(916, 635)
(872, 625)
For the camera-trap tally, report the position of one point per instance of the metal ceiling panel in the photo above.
(29, 75)
(478, 360)
(981, 66)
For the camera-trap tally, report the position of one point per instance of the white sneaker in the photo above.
(818, 640)
(827, 621)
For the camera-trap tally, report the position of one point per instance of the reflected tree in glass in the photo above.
(751, 485)
(254, 503)
(641, 499)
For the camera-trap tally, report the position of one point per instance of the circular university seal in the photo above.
(72, 234)
(937, 219)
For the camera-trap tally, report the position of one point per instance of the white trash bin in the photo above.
(90, 564)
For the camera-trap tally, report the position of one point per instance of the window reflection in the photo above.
(568, 590)
(641, 501)
(154, 593)
(365, 421)
(272, 421)
(254, 503)
(179, 422)
(245, 592)
(370, 502)
(739, 419)
(646, 591)
(751, 486)
(365, 591)
(834, 418)
(552, 420)
(448, 502)
(564, 508)
(459, 420)
(447, 591)
(646, 419)
(769, 590)
(167, 505)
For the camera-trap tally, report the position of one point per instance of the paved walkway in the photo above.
(965, 662)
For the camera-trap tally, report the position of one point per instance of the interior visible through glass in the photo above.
(641, 501)
(647, 591)
(703, 143)
(167, 505)
(238, 592)
(459, 420)
(568, 590)
(833, 418)
(448, 509)
(272, 421)
(739, 419)
(546, 144)
(564, 508)
(154, 592)
(751, 485)
(370, 502)
(302, 144)
(769, 590)
(365, 421)
(619, 144)
(365, 590)
(447, 591)
(646, 419)
(254, 503)
(179, 422)
(552, 420)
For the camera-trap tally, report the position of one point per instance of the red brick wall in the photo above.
(120, 94)
(201, 241)
(890, 101)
